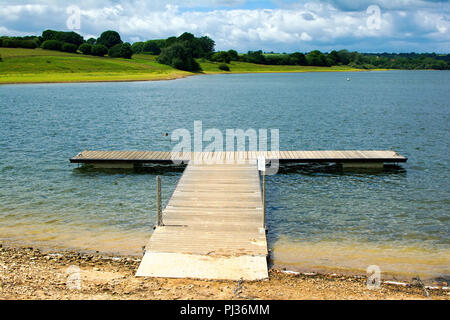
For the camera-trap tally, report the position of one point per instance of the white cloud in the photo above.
(300, 26)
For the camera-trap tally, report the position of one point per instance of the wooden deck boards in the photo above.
(296, 156)
(215, 234)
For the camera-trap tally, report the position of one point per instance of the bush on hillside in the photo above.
(62, 36)
(224, 67)
(28, 44)
(121, 51)
(18, 43)
(221, 56)
(153, 46)
(85, 48)
(99, 50)
(69, 47)
(254, 57)
(125, 51)
(114, 51)
(52, 45)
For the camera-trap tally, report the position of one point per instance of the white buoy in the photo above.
(348, 79)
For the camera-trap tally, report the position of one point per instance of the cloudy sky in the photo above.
(271, 25)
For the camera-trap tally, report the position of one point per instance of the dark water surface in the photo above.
(318, 218)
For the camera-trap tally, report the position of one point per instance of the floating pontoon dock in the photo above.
(130, 159)
(213, 225)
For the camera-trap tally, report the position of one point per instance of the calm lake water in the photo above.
(319, 218)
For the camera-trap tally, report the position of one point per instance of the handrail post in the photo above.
(262, 168)
(264, 198)
(158, 202)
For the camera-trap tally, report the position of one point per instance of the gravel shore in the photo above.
(29, 273)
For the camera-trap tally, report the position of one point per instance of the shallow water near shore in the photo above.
(319, 218)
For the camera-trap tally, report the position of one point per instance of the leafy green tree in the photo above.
(137, 47)
(200, 47)
(234, 56)
(333, 57)
(316, 58)
(279, 59)
(85, 48)
(179, 56)
(343, 56)
(109, 39)
(91, 41)
(69, 37)
(298, 59)
(121, 51)
(153, 47)
(254, 57)
(125, 51)
(170, 41)
(207, 46)
(99, 50)
(48, 35)
(221, 56)
(114, 51)
(186, 37)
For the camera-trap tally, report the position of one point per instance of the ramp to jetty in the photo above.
(213, 226)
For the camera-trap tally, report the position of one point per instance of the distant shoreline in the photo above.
(38, 66)
(177, 76)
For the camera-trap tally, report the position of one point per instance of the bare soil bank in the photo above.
(28, 273)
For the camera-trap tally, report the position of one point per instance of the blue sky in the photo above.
(271, 25)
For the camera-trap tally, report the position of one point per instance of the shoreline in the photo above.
(31, 273)
(428, 279)
(181, 76)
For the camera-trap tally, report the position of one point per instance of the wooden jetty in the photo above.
(130, 159)
(213, 226)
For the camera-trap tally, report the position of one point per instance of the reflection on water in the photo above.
(331, 168)
(319, 216)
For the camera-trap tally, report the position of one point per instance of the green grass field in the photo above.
(44, 66)
(34, 66)
(245, 67)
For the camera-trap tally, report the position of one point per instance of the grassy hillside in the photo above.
(28, 66)
(245, 67)
(35, 66)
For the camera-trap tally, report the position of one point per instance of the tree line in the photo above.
(109, 43)
(183, 52)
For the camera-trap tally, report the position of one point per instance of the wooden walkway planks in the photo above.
(214, 157)
(213, 226)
